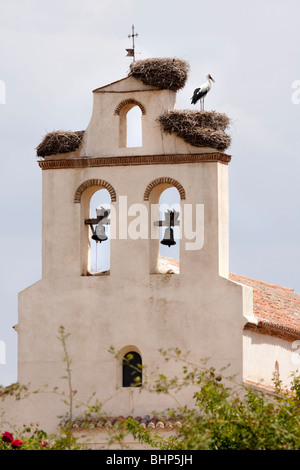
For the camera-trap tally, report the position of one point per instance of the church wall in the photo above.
(264, 355)
(196, 311)
(102, 136)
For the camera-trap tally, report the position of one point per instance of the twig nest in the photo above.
(59, 142)
(168, 73)
(198, 128)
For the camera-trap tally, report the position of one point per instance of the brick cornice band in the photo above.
(86, 162)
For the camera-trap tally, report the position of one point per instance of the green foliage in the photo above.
(33, 438)
(16, 390)
(225, 415)
(254, 422)
(228, 417)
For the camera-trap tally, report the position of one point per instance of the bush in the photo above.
(228, 418)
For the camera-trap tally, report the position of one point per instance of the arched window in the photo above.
(95, 195)
(134, 127)
(132, 369)
(164, 195)
(99, 253)
(130, 122)
(169, 246)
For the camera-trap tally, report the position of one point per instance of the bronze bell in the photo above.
(100, 235)
(168, 237)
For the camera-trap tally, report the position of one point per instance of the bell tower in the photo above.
(135, 306)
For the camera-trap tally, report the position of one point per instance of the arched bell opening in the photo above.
(134, 128)
(95, 238)
(99, 232)
(130, 117)
(169, 236)
(165, 229)
(97, 221)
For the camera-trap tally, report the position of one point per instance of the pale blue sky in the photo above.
(53, 54)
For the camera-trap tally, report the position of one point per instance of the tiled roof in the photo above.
(276, 308)
(105, 423)
(168, 265)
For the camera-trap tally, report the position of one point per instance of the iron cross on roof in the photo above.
(131, 52)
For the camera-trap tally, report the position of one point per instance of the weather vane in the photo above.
(131, 52)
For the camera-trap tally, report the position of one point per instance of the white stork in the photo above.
(201, 92)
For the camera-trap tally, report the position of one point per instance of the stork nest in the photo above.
(168, 73)
(198, 128)
(59, 142)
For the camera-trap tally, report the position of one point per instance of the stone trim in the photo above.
(94, 182)
(130, 101)
(164, 180)
(169, 159)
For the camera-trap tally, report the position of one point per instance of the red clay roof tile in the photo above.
(273, 305)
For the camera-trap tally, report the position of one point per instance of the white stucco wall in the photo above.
(199, 310)
(264, 355)
(196, 311)
(102, 134)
